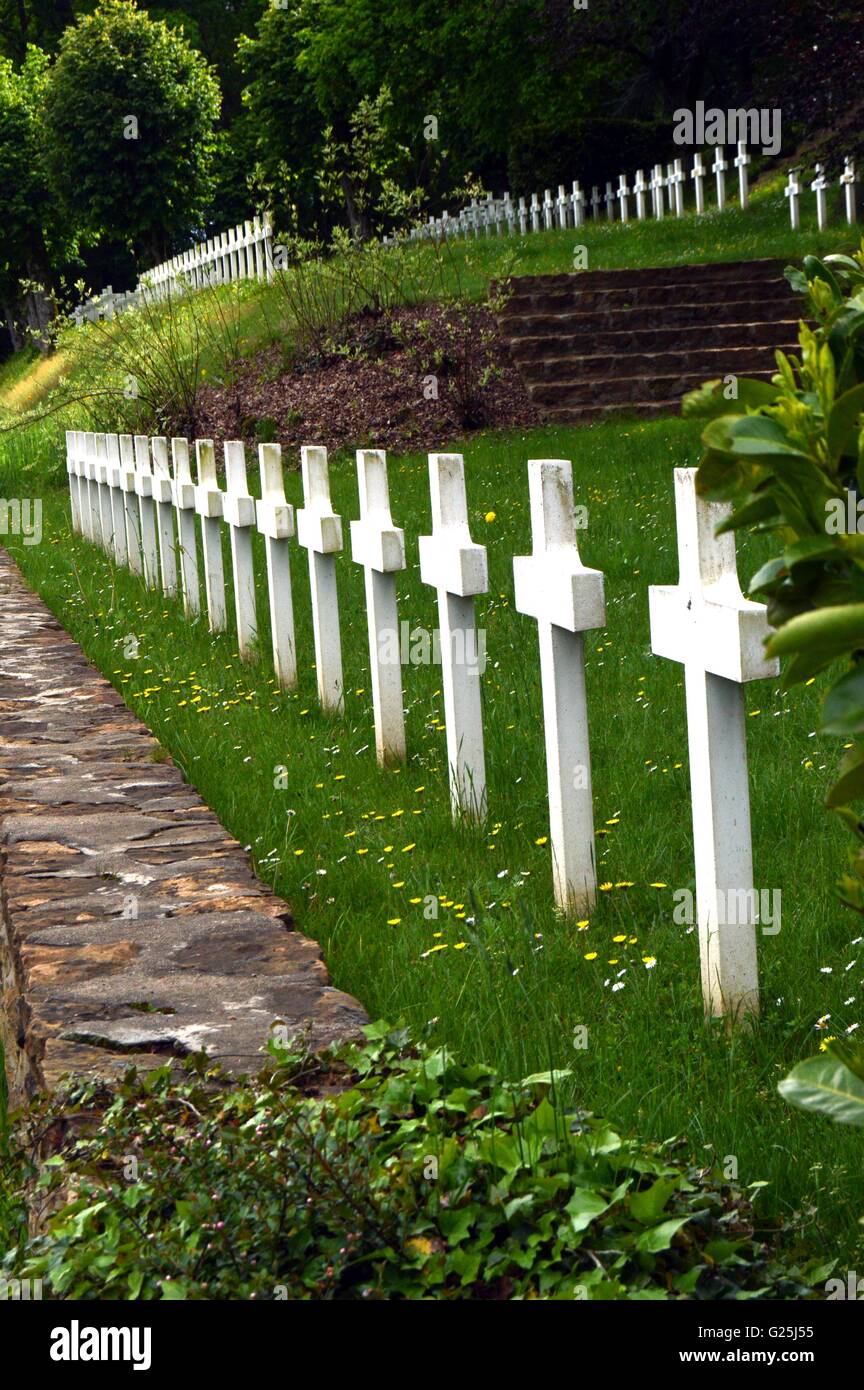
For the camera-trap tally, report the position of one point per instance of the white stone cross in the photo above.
(147, 510)
(577, 203)
(623, 195)
(276, 523)
(208, 504)
(706, 623)
(742, 159)
(548, 210)
(100, 473)
(238, 509)
(553, 586)
(163, 496)
(562, 207)
(523, 217)
(848, 179)
(697, 174)
(792, 191)
(379, 547)
(819, 185)
(319, 530)
(675, 180)
(640, 188)
(656, 185)
(118, 518)
(609, 201)
(453, 565)
(509, 213)
(132, 515)
(595, 201)
(718, 169)
(184, 501)
(535, 213)
(72, 474)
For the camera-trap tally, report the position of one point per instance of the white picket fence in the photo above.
(659, 194)
(243, 253)
(137, 499)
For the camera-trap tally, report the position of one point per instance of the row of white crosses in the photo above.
(664, 189)
(820, 185)
(703, 622)
(245, 252)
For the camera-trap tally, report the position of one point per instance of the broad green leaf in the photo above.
(843, 711)
(583, 1207)
(646, 1206)
(825, 1085)
(840, 627)
(850, 782)
(659, 1238)
(842, 422)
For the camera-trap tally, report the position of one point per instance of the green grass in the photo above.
(350, 847)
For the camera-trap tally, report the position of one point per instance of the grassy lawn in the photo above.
(496, 972)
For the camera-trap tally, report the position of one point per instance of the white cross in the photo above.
(792, 191)
(562, 207)
(523, 217)
(132, 516)
(163, 496)
(74, 488)
(609, 201)
(509, 213)
(118, 519)
(847, 178)
(208, 504)
(147, 510)
(595, 201)
(548, 210)
(184, 501)
(379, 547)
(698, 176)
(100, 473)
(535, 213)
(319, 530)
(742, 159)
(276, 523)
(676, 182)
(706, 623)
(640, 188)
(819, 185)
(553, 586)
(656, 185)
(623, 195)
(238, 509)
(453, 565)
(577, 203)
(718, 169)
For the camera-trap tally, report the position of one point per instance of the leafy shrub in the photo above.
(379, 1171)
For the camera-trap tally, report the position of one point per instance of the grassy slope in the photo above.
(355, 850)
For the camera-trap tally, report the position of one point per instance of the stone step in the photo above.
(602, 390)
(648, 296)
(588, 414)
(661, 339)
(711, 361)
(747, 309)
(657, 275)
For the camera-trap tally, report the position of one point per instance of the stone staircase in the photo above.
(634, 341)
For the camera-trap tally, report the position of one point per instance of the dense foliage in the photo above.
(381, 1171)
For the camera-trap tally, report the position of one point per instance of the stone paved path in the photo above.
(132, 925)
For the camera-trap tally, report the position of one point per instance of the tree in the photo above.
(30, 228)
(130, 115)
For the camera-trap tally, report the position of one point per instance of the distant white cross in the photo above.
(819, 185)
(595, 202)
(706, 623)
(147, 510)
(562, 206)
(848, 180)
(656, 185)
(275, 518)
(577, 203)
(718, 169)
(184, 501)
(535, 213)
(553, 586)
(623, 195)
(640, 188)
(548, 210)
(609, 201)
(319, 530)
(792, 191)
(698, 176)
(379, 547)
(238, 509)
(132, 515)
(676, 183)
(454, 566)
(163, 496)
(118, 518)
(742, 159)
